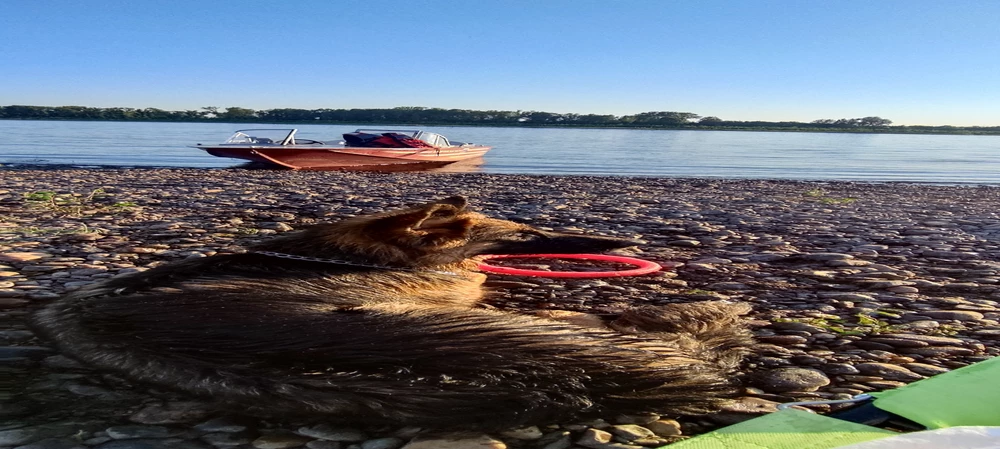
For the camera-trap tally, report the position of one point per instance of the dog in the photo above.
(375, 319)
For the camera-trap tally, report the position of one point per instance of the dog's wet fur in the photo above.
(398, 339)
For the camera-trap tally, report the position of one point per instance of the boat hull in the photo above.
(347, 158)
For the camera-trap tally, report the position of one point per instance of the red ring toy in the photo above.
(642, 266)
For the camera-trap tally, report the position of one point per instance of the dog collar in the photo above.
(346, 262)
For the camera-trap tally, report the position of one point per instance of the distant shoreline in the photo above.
(957, 131)
(424, 116)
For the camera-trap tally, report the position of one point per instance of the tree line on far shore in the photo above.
(439, 116)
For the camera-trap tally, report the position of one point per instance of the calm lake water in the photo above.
(722, 154)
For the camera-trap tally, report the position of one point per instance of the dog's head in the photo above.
(438, 233)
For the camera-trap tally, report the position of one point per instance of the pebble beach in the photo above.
(855, 287)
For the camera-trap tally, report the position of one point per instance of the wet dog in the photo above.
(374, 319)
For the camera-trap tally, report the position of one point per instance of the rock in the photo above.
(933, 340)
(594, 438)
(54, 443)
(630, 432)
(959, 315)
(636, 419)
(899, 342)
(839, 368)
(888, 371)
(19, 436)
(171, 413)
(22, 256)
(458, 442)
(382, 443)
(131, 432)
(224, 424)
(750, 405)
(938, 351)
(228, 439)
(150, 443)
(791, 379)
(331, 433)
(324, 444)
(784, 340)
(565, 441)
(797, 326)
(280, 441)
(925, 369)
(665, 427)
(825, 257)
(524, 433)
(728, 286)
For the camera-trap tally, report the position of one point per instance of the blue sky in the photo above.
(911, 61)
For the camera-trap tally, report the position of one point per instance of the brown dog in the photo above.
(373, 320)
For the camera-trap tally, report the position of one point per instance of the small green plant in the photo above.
(38, 231)
(40, 197)
(821, 196)
(866, 325)
(74, 204)
(874, 325)
(945, 330)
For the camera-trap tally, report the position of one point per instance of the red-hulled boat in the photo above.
(364, 149)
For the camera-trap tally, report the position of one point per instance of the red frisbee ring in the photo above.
(641, 266)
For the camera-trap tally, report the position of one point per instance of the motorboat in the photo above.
(363, 149)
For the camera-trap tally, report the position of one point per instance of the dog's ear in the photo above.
(431, 224)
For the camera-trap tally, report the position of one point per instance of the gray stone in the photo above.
(382, 443)
(839, 368)
(149, 443)
(630, 432)
(456, 442)
(227, 439)
(171, 413)
(223, 424)
(959, 315)
(524, 433)
(888, 371)
(564, 442)
(280, 441)
(925, 369)
(324, 444)
(23, 435)
(53, 443)
(665, 427)
(131, 432)
(331, 433)
(826, 257)
(791, 379)
(594, 438)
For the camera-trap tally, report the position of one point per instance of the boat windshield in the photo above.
(260, 137)
(428, 137)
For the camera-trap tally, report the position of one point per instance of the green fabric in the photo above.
(968, 396)
(786, 429)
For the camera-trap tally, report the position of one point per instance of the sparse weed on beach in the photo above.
(73, 204)
(820, 195)
(42, 231)
(866, 325)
